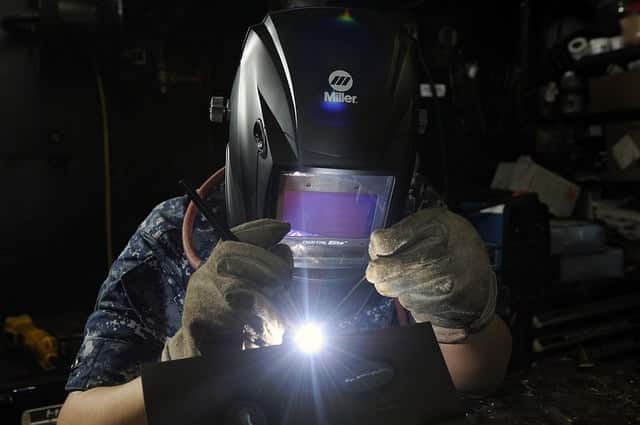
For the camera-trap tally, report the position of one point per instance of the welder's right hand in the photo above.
(229, 299)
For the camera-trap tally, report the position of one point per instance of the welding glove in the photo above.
(437, 266)
(230, 298)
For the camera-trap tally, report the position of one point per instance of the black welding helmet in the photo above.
(321, 133)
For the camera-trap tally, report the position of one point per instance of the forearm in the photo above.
(479, 365)
(118, 405)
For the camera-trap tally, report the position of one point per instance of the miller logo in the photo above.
(341, 82)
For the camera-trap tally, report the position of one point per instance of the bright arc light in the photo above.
(309, 338)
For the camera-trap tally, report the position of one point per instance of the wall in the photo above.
(52, 234)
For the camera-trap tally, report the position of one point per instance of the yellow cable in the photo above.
(107, 166)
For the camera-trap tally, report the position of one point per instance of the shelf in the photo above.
(599, 63)
(613, 179)
(595, 118)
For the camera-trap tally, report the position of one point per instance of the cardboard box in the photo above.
(617, 92)
(556, 192)
(623, 151)
(624, 221)
(630, 29)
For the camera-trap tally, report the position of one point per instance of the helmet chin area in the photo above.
(316, 293)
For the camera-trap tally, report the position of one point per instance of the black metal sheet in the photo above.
(293, 388)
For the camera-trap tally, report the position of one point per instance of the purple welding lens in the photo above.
(339, 205)
(329, 214)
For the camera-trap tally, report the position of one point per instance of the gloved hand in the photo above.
(230, 297)
(437, 266)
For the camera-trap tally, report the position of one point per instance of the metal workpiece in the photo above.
(369, 377)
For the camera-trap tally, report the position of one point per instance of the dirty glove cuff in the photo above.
(459, 335)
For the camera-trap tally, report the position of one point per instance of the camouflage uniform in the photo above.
(140, 303)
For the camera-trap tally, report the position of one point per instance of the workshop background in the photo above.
(529, 125)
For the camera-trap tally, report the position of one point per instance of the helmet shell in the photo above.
(319, 88)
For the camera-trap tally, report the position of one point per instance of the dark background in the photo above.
(160, 63)
(53, 245)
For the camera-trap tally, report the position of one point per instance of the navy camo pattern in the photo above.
(140, 304)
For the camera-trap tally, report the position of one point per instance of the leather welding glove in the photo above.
(437, 266)
(229, 299)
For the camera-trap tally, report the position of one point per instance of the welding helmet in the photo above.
(321, 133)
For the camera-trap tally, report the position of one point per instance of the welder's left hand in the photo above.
(437, 266)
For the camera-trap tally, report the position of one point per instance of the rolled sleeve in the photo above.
(101, 362)
(115, 345)
(138, 307)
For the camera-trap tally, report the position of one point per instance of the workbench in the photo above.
(557, 392)
(552, 391)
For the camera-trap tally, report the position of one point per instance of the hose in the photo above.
(190, 216)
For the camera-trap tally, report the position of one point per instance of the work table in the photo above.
(556, 392)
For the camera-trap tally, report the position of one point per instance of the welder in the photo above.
(320, 156)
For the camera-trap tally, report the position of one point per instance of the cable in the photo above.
(106, 148)
(219, 230)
